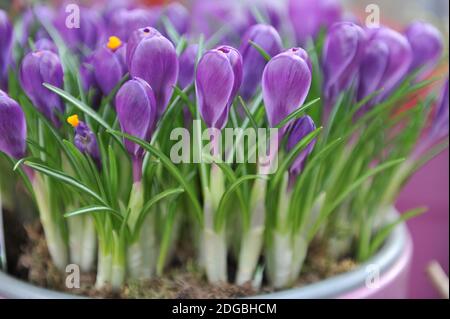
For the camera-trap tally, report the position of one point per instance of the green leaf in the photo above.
(64, 178)
(94, 209)
(384, 232)
(261, 51)
(171, 31)
(292, 155)
(297, 113)
(249, 114)
(170, 167)
(220, 216)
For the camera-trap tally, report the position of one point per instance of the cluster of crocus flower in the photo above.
(99, 105)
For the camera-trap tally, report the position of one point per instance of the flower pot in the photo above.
(385, 275)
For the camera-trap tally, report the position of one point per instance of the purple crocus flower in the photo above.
(440, 121)
(13, 127)
(85, 140)
(270, 13)
(45, 44)
(6, 37)
(385, 62)
(123, 22)
(427, 44)
(152, 57)
(31, 23)
(178, 16)
(109, 64)
(268, 39)
(43, 67)
(342, 53)
(300, 129)
(285, 84)
(90, 33)
(218, 78)
(137, 114)
(309, 16)
(187, 66)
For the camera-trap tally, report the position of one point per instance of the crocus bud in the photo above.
(309, 16)
(218, 78)
(386, 60)
(427, 45)
(178, 16)
(13, 128)
(85, 140)
(43, 67)
(89, 34)
(109, 64)
(440, 122)
(153, 58)
(45, 44)
(268, 39)
(123, 22)
(187, 66)
(342, 53)
(285, 84)
(6, 37)
(136, 111)
(300, 129)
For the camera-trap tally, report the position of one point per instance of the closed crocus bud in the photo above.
(309, 16)
(13, 128)
(89, 34)
(386, 60)
(268, 39)
(342, 53)
(285, 84)
(136, 111)
(427, 44)
(123, 22)
(300, 129)
(218, 78)
(187, 66)
(109, 64)
(440, 122)
(85, 140)
(6, 37)
(152, 57)
(45, 44)
(178, 16)
(43, 67)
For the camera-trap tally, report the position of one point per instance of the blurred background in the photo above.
(430, 186)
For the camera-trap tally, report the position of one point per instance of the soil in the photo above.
(182, 281)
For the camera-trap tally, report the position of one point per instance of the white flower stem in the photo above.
(253, 238)
(57, 245)
(104, 267)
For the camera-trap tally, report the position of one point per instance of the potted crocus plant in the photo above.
(235, 149)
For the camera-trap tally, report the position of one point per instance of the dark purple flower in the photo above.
(300, 129)
(152, 57)
(187, 66)
(440, 122)
(218, 78)
(285, 84)
(123, 22)
(45, 44)
(109, 64)
(270, 13)
(268, 39)
(87, 74)
(385, 62)
(89, 35)
(427, 44)
(85, 140)
(137, 114)
(309, 16)
(13, 127)
(43, 67)
(178, 16)
(342, 53)
(6, 37)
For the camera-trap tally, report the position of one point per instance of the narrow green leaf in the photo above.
(297, 113)
(249, 114)
(94, 209)
(261, 51)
